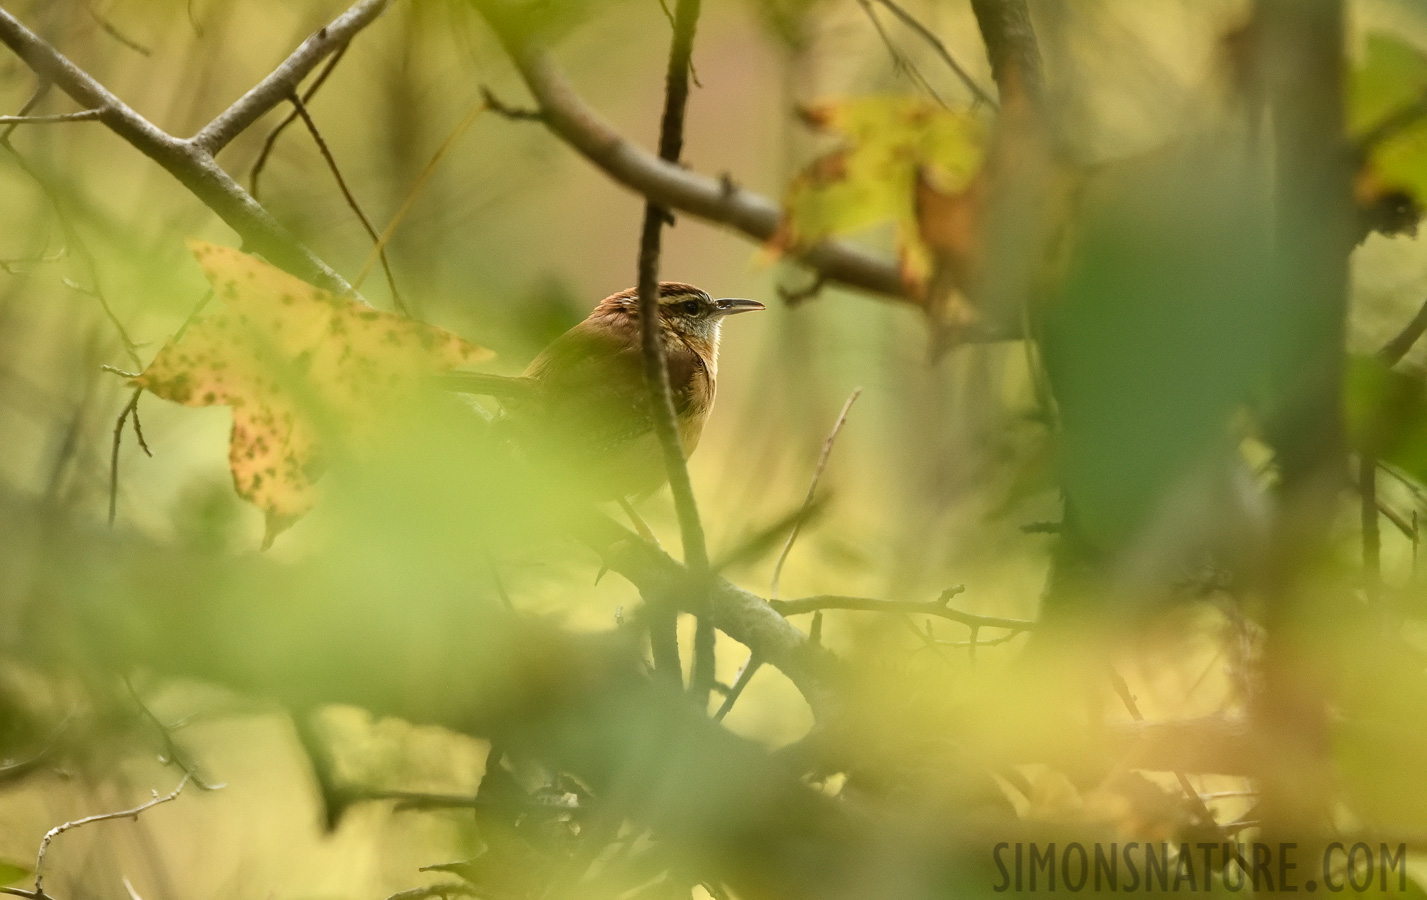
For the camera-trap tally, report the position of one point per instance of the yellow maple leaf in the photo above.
(889, 146)
(289, 357)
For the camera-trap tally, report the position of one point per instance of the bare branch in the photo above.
(301, 109)
(740, 614)
(506, 111)
(745, 675)
(109, 29)
(938, 608)
(89, 820)
(187, 161)
(271, 140)
(172, 752)
(812, 489)
(674, 187)
(1394, 350)
(900, 62)
(282, 82)
(448, 889)
(130, 408)
(84, 115)
(671, 143)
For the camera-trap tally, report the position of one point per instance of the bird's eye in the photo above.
(690, 307)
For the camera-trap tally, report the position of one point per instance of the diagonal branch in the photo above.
(282, 82)
(672, 186)
(194, 168)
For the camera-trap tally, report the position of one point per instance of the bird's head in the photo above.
(684, 310)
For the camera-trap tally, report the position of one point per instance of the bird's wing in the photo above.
(592, 382)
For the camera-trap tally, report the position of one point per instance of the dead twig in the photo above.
(191, 160)
(271, 140)
(301, 109)
(812, 490)
(172, 753)
(938, 608)
(506, 111)
(89, 820)
(130, 409)
(84, 115)
(900, 61)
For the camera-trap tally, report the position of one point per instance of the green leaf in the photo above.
(11, 873)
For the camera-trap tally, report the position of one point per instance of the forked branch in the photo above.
(191, 160)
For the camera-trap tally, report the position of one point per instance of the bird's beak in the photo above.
(730, 305)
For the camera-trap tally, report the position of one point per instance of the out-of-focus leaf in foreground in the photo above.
(293, 361)
(1386, 105)
(1385, 412)
(1157, 336)
(892, 147)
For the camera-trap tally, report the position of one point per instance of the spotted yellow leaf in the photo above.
(294, 362)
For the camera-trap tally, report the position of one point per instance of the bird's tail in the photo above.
(484, 384)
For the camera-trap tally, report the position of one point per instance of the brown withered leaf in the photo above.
(298, 365)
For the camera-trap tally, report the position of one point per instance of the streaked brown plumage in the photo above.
(582, 404)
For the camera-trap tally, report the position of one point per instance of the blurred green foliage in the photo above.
(432, 679)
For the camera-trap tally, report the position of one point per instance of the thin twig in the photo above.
(108, 28)
(812, 489)
(283, 81)
(22, 767)
(1191, 793)
(979, 92)
(1394, 350)
(795, 296)
(900, 62)
(101, 817)
(506, 111)
(938, 608)
(765, 539)
(271, 140)
(84, 115)
(172, 752)
(1367, 516)
(416, 187)
(191, 161)
(449, 889)
(301, 109)
(130, 408)
(745, 675)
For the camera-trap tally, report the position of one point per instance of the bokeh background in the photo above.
(943, 463)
